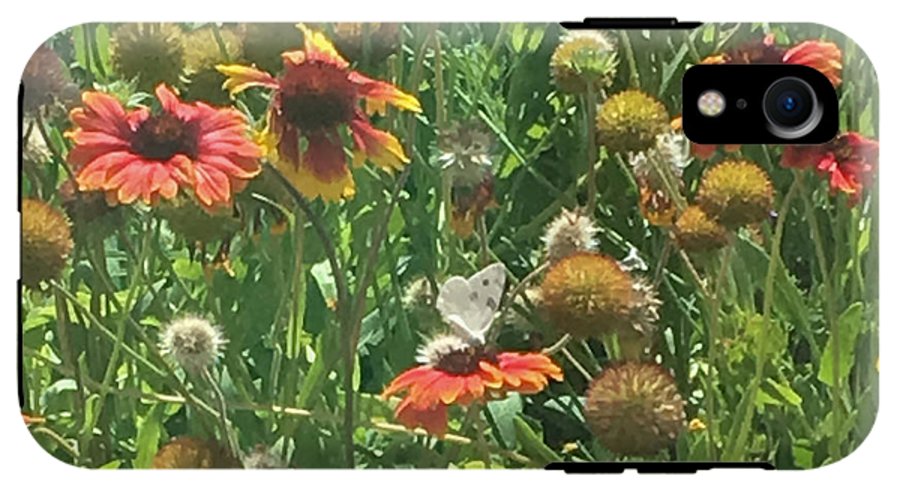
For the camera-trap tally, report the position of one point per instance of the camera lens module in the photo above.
(791, 108)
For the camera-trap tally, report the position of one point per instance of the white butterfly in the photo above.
(469, 305)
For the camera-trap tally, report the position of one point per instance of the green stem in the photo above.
(830, 316)
(741, 426)
(224, 424)
(590, 113)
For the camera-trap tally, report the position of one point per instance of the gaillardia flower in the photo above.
(635, 408)
(736, 193)
(696, 232)
(456, 372)
(264, 42)
(139, 153)
(848, 160)
(46, 242)
(149, 53)
(316, 97)
(194, 342)
(372, 41)
(589, 294)
(186, 452)
(584, 59)
(824, 56)
(630, 121)
(202, 52)
(568, 233)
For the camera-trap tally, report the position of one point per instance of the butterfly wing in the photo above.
(469, 305)
(486, 291)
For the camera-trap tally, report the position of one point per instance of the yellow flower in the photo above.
(630, 121)
(635, 408)
(736, 193)
(46, 242)
(696, 425)
(696, 232)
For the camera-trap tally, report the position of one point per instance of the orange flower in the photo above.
(822, 55)
(316, 96)
(138, 153)
(848, 160)
(456, 372)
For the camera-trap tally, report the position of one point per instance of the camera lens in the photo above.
(791, 108)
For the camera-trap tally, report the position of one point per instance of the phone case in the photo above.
(438, 246)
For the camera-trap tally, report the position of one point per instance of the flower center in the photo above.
(317, 96)
(465, 360)
(163, 136)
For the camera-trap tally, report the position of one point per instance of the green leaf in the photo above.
(187, 269)
(533, 444)
(78, 42)
(848, 328)
(147, 440)
(785, 392)
(517, 35)
(101, 38)
(503, 412)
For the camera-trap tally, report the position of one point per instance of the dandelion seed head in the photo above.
(193, 342)
(569, 232)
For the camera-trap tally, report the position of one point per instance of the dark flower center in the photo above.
(465, 360)
(317, 96)
(163, 136)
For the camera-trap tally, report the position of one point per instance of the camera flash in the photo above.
(711, 103)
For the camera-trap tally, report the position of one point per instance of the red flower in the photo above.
(848, 160)
(314, 99)
(131, 154)
(822, 55)
(460, 373)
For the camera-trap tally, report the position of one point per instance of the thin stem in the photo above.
(590, 112)
(224, 424)
(713, 351)
(741, 426)
(578, 366)
(558, 345)
(830, 315)
(59, 440)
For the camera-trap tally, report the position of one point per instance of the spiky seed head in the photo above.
(148, 52)
(188, 220)
(695, 231)
(634, 408)
(46, 242)
(186, 452)
(569, 232)
(193, 342)
(630, 121)
(583, 59)
(736, 193)
(372, 41)
(202, 52)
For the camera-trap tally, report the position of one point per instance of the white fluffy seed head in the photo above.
(435, 350)
(262, 458)
(645, 306)
(569, 232)
(671, 154)
(193, 342)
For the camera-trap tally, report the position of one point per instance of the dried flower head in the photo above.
(569, 232)
(588, 294)
(736, 193)
(264, 42)
(185, 452)
(469, 204)
(150, 53)
(45, 79)
(195, 224)
(583, 58)
(90, 214)
(635, 408)
(46, 242)
(193, 342)
(465, 153)
(658, 172)
(368, 41)
(697, 232)
(630, 121)
(202, 52)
